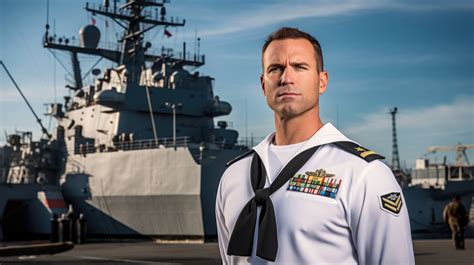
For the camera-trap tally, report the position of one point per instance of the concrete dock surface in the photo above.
(431, 252)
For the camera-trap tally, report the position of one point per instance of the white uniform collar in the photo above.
(326, 134)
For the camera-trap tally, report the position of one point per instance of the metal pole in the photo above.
(152, 117)
(173, 107)
(174, 124)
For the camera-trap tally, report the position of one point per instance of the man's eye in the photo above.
(274, 69)
(300, 67)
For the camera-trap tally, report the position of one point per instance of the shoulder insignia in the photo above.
(358, 150)
(391, 202)
(251, 151)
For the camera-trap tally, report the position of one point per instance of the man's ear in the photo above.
(323, 81)
(262, 83)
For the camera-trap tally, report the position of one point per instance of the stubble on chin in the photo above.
(287, 111)
(291, 110)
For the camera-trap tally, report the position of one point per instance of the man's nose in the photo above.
(287, 77)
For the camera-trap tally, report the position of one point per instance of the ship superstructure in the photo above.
(140, 151)
(145, 156)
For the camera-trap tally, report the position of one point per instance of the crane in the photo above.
(38, 120)
(460, 149)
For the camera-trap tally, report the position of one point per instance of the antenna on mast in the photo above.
(199, 47)
(395, 157)
(47, 15)
(195, 43)
(47, 12)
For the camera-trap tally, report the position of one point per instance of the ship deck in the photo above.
(433, 252)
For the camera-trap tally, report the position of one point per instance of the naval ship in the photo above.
(29, 186)
(138, 151)
(433, 185)
(29, 181)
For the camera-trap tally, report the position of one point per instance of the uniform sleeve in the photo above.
(222, 231)
(379, 219)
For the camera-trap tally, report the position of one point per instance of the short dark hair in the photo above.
(294, 33)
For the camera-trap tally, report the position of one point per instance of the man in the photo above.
(456, 216)
(307, 194)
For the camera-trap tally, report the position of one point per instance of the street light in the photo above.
(173, 107)
(201, 150)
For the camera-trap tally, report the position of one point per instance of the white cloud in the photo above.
(445, 117)
(270, 14)
(10, 94)
(391, 60)
(417, 128)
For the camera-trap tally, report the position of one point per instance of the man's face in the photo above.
(290, 80)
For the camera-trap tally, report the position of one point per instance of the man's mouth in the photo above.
(287, 94)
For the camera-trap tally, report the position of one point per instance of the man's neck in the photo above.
(296, 129)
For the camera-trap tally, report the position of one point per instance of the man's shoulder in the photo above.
(238, 164)
(366, 165)
(358, 151)
(330, 135)
(235, 170)
(240, 157)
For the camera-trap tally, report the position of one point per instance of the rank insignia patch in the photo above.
(391, 202)
(364, 152)
(316, 182)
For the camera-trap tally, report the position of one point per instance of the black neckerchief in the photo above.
(241, 240)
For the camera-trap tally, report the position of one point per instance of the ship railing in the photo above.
(74, 42)
(250, 141)
(188, 56)
(218, 143)
(155, 14)
(181, 141)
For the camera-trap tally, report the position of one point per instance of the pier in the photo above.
(433, 252)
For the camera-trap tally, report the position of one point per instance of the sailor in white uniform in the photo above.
(307, 194)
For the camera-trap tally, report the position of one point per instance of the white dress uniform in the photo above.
(337, 209)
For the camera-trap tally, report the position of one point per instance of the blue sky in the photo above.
(416, 55)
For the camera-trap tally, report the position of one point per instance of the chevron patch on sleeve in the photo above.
(391, 202)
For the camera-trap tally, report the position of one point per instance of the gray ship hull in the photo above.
(425, 207)
(163, 192)
(151, 215)
(25, 212)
